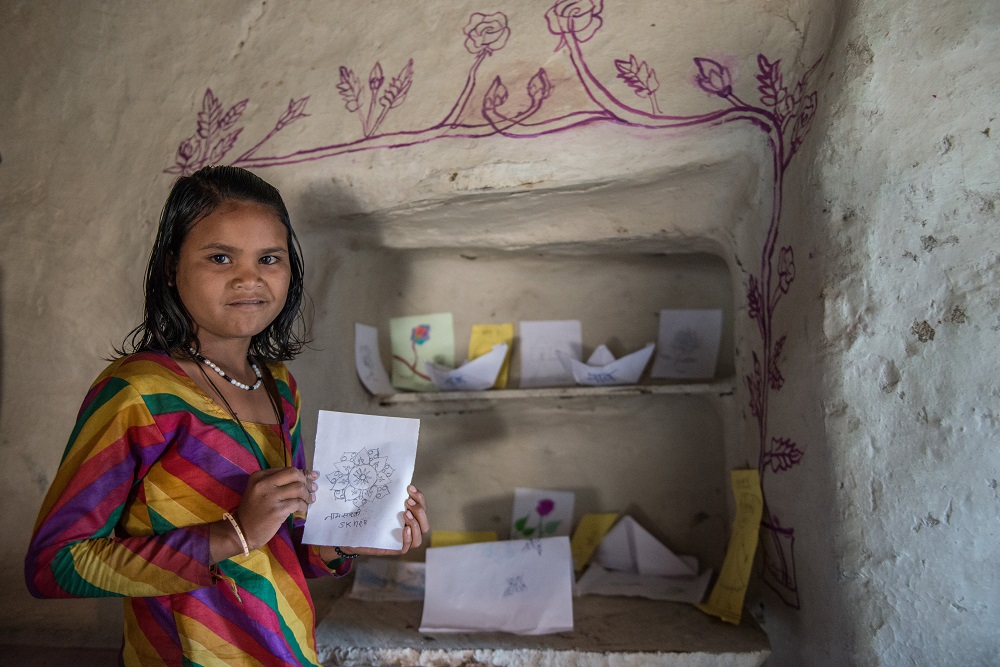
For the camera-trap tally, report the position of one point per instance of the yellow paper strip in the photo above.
(726, 599)
(588, 536)
(482, 340)
(451, 538)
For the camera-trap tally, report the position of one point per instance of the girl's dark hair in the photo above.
(166, 324)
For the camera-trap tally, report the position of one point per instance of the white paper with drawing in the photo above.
(369, 362)
(541, 343)
(688, 344)
(365, 463)
(476, 375)
(519, 586)
(602, 369)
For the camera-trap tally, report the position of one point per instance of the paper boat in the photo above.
(628, 547)
(602, 369)
(476, 375)
(598, 581)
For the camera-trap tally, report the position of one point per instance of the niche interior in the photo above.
(655, 450)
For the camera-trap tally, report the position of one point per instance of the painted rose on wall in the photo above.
(486, 33)
(581, 18)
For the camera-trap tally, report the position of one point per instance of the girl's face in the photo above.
(233, 272)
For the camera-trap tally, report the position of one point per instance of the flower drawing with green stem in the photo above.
(543, 509)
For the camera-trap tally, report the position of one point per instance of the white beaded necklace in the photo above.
(233, 381)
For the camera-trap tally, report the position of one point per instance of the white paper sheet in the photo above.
(598, 581)
(388, 580)
(629, 547)
(688, 344)
(368, 361)
(519, 586)
(602, 369)
(365, 463)
(540, 342)
(476, 375)
(541, 513)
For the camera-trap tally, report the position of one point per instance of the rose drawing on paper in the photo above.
(543, 509)
(419, 335)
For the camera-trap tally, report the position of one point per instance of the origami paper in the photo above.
(476, 375)
(602, 369)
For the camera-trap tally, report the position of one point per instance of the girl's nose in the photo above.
(247, 275)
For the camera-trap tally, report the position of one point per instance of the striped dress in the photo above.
(151, 462)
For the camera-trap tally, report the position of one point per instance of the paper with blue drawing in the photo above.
(476, 375)
(603, 370)
(368, 361)
(365, 463)
(519, 586)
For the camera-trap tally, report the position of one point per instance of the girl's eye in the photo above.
(220, 259)
(268, 259)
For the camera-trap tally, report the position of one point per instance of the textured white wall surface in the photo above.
(836, 158)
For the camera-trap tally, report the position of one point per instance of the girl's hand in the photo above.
(415, 525)
(271, 495)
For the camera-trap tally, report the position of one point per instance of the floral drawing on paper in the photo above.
(541, 527)
(360, 477)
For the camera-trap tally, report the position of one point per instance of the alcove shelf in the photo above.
(656, 451)
(720, 387)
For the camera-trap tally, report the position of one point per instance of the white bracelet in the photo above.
(239, 533)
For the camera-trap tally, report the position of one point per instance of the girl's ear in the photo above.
(170, 268)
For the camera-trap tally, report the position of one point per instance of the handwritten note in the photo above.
(726, 599)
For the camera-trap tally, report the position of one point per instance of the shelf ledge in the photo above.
(722, 387)
(608, 632)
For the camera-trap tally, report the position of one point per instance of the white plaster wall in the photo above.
(898, 213)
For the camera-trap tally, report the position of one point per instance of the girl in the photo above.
(182, 488)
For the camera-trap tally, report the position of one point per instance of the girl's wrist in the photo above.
(223, 541)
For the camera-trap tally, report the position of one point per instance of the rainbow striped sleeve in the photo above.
(75, 551)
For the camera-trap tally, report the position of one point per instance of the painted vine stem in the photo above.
(784, 115)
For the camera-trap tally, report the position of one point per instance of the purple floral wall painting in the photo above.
(783, 111)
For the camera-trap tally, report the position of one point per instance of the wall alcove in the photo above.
(610, 255)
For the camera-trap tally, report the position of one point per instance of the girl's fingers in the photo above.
(415, 504)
